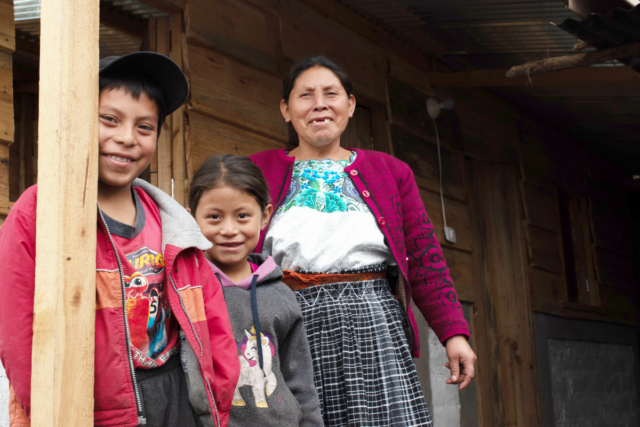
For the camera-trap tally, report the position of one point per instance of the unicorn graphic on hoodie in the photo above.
(260, 379)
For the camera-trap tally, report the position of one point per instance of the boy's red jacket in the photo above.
(194, 294)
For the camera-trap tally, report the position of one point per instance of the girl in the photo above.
(229, 199)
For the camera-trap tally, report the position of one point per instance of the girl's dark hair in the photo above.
(136, 84)
(228, 170)
(309, 62)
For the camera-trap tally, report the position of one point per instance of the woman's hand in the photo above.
(461, 360)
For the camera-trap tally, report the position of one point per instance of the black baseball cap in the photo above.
(158, 68)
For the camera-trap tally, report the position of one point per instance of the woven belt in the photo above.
(299, 281)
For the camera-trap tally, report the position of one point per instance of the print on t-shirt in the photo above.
(148, 312)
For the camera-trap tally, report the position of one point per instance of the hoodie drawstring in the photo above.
(221, 287)
(256, 318)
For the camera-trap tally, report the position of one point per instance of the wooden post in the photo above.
(163, 45)
(65, 293)
(177, 120)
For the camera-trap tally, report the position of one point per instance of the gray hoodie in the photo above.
(276, 378)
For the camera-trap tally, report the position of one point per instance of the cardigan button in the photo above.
(366, 194)
(353, 173)
(382, 221)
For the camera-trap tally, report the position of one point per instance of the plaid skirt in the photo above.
(362, 365)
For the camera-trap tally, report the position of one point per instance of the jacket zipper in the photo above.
(141, 418)
(193, 329)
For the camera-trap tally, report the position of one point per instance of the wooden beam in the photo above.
(7, 27)
(179, 163)
(167, 6)
(62, 386)
(151, 38)
(122, 23)
(588, 76)
(163, 46)
(574, 61)
(359, 24)
(26, 87)
(28, 48)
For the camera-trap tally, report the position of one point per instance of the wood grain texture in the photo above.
(65, 293)
(179, 162)
(506, 295)
(7, 27)
(620, 305)
(167, 6)
(422, 156)
(151, 37)
(592, 76)
(612, 232)
(360, 25)
(457, 218)
(544, 250)
(588, 246)
(229, 91)
(358, 133)
(460, 269)
(6, 99)
(541, 208)
(207, 137)
(240, 29)
(164, 150)
(547, 290)
(574, 60)
(616, 271)
(408, 107)
(305, 31)
(405, 72)
(4, 175)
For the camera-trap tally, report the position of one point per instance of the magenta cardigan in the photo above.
(388, 187)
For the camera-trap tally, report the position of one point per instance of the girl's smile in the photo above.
(232, 221)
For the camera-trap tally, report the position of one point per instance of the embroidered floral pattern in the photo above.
(431, 262)
(323, 185)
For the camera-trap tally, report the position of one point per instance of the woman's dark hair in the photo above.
(309, 62)
(136, 84)
(228, 170)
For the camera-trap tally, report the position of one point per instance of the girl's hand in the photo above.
(459, 353)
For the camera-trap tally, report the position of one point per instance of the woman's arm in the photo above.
(431, 285)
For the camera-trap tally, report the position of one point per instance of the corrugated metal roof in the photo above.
(617, 27)
(30, 9)
(112, 41)
(474, 34)
(26, 9)
(467, 35)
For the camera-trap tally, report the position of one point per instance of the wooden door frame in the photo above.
(506, 396)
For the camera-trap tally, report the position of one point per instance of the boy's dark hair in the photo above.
(309, 62)
(228, 170)
(136, 84)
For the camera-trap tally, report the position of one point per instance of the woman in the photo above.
(351, 230)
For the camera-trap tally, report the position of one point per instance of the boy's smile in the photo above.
(127, 136)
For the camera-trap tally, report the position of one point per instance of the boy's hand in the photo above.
(459, 353)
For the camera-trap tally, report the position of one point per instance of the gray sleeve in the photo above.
(297, 369)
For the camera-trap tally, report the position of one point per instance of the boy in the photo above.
(154, 361)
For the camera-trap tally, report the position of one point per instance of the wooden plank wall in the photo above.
(236, 54)
(7, 47)
(549, 165)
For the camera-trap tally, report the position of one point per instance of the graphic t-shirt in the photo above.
(152, 327)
